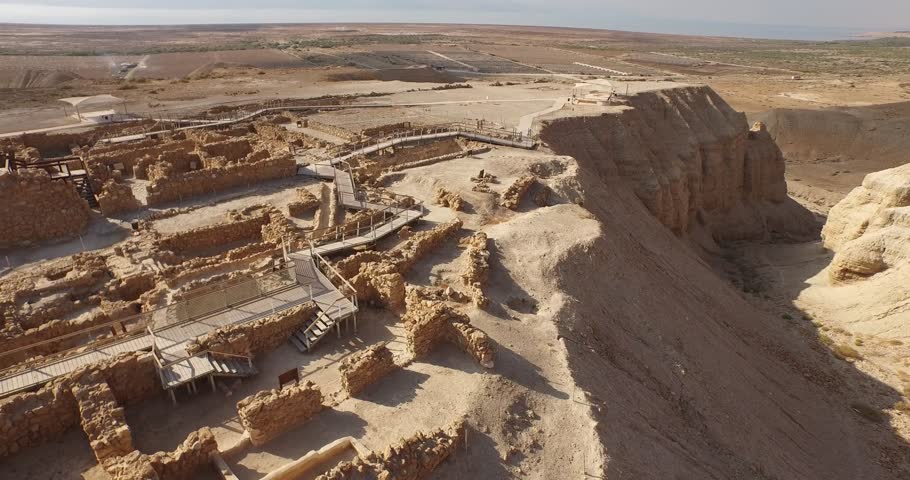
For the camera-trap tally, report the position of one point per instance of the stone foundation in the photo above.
(184, 463)
(268, 414)
(306, 203)
(414, 458)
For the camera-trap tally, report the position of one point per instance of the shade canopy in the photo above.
(94, 100)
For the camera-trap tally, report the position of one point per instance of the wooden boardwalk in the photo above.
(38, 375)
(171, 341)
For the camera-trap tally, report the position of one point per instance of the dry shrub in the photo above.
(845, 352)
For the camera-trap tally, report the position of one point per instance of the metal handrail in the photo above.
(150, 315)
(320, 260)
(162, 366)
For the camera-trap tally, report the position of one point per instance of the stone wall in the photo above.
(414, 458)
(384, 130)
(36, 208)
(473, 341)
(364, 367)
(268, 414)
(429, 321)
(379, 277)
(241, 225)
(32, 419)
(476, 267)
(255, 337)
(332, 130)
(102, 418)
(184, 463)
(232, 150)
(206, 181)
(117, 198)
(511, 198)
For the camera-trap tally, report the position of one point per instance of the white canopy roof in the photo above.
(93, 100)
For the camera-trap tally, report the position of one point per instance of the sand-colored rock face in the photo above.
(870, 228)
(688, 155)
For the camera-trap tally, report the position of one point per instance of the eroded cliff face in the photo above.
(870, 228)
(691, 159)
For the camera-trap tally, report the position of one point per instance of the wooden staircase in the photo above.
(306, 338)
(84, 189)
(185, 371)
(232, 366)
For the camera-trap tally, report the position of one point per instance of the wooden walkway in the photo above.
(38, 375)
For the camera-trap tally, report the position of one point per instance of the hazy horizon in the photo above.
(716, 18)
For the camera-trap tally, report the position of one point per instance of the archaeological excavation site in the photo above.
(370, 286)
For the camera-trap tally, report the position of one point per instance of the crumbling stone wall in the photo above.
(474, 341)
(32, 419)
(184, 463)
(365, 367)
(117, 198)
(511, 198)
(414, 458)
(256, 337)
(268, 414)
(103, 420)
(131, 158)
(429, 321)
(331, 130)
(379, 277)
(232, 149)
(449, 199)
(36, 208)
(476, 267)
(244, 224)
(384, 130)
(201, 182)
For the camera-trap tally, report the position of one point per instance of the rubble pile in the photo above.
(448, 199)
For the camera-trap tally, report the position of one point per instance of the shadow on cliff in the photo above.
(689, 379)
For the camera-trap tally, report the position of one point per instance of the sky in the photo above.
(809, 19)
